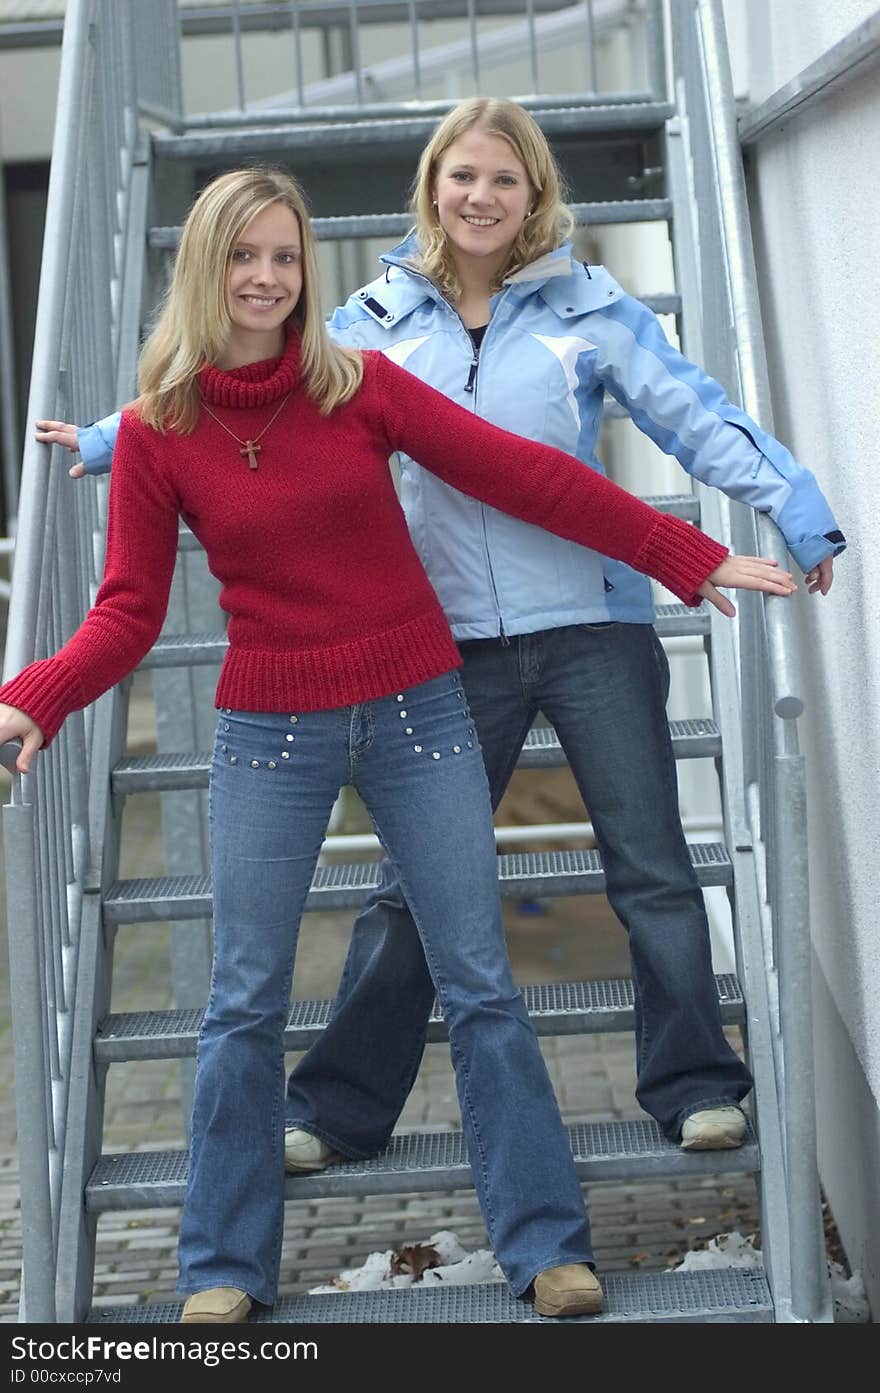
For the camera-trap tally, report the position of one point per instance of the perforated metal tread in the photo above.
(396, 225)
(559, 1008)
(186, 650)
(615, 119)
(717, 1295)
(691, 739)
(520, 874)
(418, 1163)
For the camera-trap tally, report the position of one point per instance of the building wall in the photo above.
(814, 214)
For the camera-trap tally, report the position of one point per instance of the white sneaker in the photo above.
(303, 1152)
(715, 1129)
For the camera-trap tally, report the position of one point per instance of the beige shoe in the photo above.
(571, 1290)
(715, 1129)
(216, 1306)
(303, 1152)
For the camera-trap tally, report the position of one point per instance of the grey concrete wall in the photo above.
(814, 213)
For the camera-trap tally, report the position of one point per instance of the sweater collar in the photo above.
(255, 384)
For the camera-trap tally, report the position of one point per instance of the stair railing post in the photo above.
(783, 820)
(30, 1062)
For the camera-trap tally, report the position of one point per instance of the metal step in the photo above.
(520, 875)
(691, 739)
(393, 226)
(434, 108)
(682, 621)
(722, 1295)
(422, 1163)
(557, 1008)
(197, 650)
(617, 120)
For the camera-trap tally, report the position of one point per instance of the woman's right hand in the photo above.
(745, 573)
(61, 433)
(15, 725)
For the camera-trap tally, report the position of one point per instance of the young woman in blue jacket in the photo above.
(485, 301)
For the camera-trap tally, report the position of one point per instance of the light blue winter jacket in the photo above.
(560, 335)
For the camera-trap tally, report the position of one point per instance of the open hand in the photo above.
(15, 725)
(61, 433)
(745, 573)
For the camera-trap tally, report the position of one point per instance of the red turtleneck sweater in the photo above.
(328, 602)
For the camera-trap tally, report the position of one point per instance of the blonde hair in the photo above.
(549, 223)
(194, 322)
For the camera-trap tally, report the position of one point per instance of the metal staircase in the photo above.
(118, 190)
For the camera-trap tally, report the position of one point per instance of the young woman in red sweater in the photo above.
(273, 445)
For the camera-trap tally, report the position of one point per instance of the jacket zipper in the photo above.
(471, 387)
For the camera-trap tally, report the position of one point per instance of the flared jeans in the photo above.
(414, 757)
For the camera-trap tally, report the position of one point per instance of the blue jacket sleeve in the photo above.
(96, 443)
(688, 415)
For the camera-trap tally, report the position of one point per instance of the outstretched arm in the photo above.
(127, 616)
(550, 489)
(687, 413)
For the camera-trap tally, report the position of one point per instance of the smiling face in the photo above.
(264, 282)
(483, 197)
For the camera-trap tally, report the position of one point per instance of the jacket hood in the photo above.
(567, 287)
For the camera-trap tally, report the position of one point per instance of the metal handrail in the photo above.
(533, 28)
(772, 797)
(53, 843)
(856, 54)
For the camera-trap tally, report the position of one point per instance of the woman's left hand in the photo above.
(745, 573)
(65, 434)
(820, 577)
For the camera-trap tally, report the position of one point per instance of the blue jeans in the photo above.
(604, 688)
(415, 759)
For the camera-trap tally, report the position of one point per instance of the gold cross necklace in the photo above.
(251, 448)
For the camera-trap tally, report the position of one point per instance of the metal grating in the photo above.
(691, 739)
(717, 1295)
(682, 505)
(183, 650)
(397, 225)
(555, 1008)
(681, 621)
(180, 650)
(616, 120)
(422, 1163)
(548, 873)
(558, 1008)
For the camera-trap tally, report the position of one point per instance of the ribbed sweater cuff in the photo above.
(47, 691)
(680, 556)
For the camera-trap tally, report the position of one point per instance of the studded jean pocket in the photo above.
(261, 741)
(433, 719)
